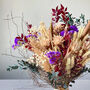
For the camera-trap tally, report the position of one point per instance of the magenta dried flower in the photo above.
(60, 14)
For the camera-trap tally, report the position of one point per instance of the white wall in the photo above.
(34, 11)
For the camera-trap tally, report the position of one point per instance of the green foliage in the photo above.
(33, 68)
(70, 85)
(71, 21)
(89, 70)
(72, 81)
(49, 75)
(86, 69)
(52, 77)
(55, 83)
(23, 65)
(82, 18)
(12, 68)
(52, 82)
(65, 86)
(76, 21)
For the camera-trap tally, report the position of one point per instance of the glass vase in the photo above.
(60, 88)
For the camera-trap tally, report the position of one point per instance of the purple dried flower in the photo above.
(62, 33)
(34, 36)
(50, 54)
(13, 46)
(30, 35)
(16, 41)
(73, 27)
(71, 30)
(52, 60)
(53, 56)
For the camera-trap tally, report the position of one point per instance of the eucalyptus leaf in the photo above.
(23, 65)
(65, 86)
(52, 82)
(89, 70)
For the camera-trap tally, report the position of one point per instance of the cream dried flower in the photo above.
(57, 28)
(58, 40)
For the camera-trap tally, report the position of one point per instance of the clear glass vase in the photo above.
(60, 88)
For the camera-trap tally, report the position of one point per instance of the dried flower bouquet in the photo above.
(60, 51)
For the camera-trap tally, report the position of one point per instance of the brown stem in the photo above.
(86, 30)
(51, 34)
